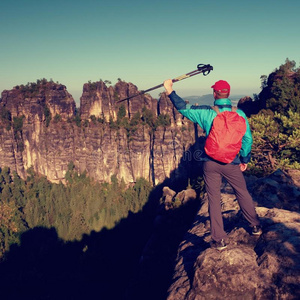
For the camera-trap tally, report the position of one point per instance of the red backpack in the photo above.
(224, 140)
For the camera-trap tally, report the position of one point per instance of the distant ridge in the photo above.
(200, 100)
(209, 100)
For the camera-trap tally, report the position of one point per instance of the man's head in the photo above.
(221, 89)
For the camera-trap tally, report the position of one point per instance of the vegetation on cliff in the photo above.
(276, 142)
(276, 128)
(281, 89)
(146, 118)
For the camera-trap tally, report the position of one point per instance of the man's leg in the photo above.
(213, 179)
(236, 179)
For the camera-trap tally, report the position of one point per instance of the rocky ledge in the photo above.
(251, 267)
(264, 267)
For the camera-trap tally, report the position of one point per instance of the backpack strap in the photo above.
(216, 109)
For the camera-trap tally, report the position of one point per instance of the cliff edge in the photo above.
(265, 267)
(179, 264)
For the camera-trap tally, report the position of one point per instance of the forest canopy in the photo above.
(74, 209)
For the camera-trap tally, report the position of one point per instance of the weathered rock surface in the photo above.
(264, 267)
(38, 129)
(31, 101)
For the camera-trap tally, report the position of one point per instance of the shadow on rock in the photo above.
(251, 267)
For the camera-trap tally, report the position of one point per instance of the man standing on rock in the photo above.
(213, 169)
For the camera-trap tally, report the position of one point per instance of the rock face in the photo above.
(39, 129)
(264, 267)
(25, 137)
(32, 100)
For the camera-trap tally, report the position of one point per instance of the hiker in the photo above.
(213, 168)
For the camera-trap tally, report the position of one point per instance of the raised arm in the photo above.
(168, 84)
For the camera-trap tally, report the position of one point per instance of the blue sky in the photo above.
(145, 42)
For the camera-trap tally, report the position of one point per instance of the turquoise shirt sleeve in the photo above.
(202, 115)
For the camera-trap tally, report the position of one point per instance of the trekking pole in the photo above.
(201, 68)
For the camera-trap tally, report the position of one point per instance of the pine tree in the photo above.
(281, 92)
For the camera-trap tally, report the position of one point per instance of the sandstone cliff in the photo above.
(41, 129)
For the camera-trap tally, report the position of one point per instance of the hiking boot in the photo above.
(219, 245)
(256, 230)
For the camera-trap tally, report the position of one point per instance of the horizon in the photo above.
(154, 94)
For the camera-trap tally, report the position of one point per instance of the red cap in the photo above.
(221, 86)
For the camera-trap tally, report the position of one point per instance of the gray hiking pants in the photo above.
(213, 173)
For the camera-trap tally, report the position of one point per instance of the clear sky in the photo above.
(146, 42)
